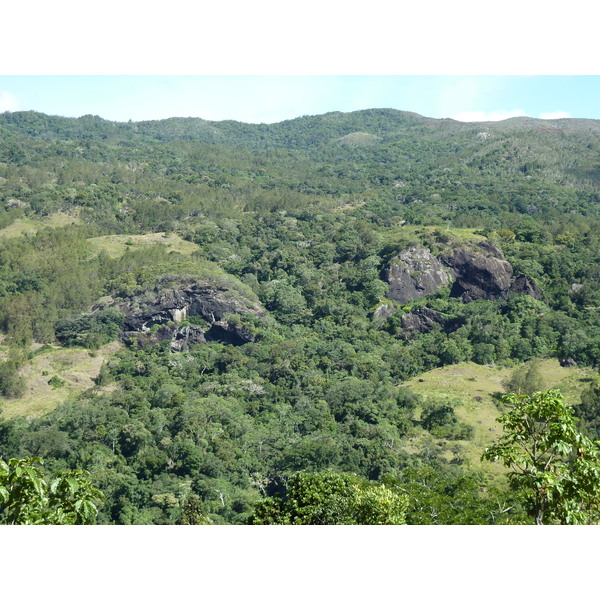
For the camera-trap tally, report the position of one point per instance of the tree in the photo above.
(525, 379)
(332, 499)
(12, 385)
(555, 468)
(588, 410)
(453, 496)
(27, 499)
(192, 513)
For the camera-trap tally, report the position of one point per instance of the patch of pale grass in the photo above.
(116, 245)
(27, 226)
(77, 367)
(475, 387)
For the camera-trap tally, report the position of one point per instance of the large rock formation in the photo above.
(525, 285)
(413, 273)
(476, 272)
(156, 315)
(481, 274)
(384, 310)
(421, 320)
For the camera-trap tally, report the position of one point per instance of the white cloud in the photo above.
(557, 114)
(8, 102)
(457, 93)
(494, 115)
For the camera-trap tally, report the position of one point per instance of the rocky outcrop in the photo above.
(230, 332)
(160, 314)
(525, 285)
(568, 362)
(414, 273)
(476, 272)
(421, 320)
(481, 274)
(490, 249)
(384, 310)
(180, 337)
(178, 298)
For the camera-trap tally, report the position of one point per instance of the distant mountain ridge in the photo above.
(565, 151)
(380, 122)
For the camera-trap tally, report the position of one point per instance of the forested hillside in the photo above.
(218, 319)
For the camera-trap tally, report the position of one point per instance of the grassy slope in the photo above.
(415, 234)
(116, 245)
(461, 234)
(77, 367)
(113, 245)
(475, 386)
(28, 226)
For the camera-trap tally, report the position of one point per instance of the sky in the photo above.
(274, 98)
(267, 61)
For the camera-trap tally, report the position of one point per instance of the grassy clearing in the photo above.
(461, 234)
(475, 386)
(76, 367)
(29, 226)
(117, 245)
(60, 220)
(359, 138)
(18, 228)
(417, 233)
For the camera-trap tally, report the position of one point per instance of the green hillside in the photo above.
(197, 311)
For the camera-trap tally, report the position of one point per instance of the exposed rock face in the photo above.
(491, 249)
(476, 273)
(383, 311)
(153, 316)
(229, 332)
(575, 287)
(413, 273)
(525, 285)
(480, 275)
(177, 298)
(422, 320)
(568, 362)
(180, 337)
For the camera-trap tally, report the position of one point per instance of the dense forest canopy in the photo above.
(233, 284)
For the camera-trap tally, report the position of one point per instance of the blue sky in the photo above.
(271, 98)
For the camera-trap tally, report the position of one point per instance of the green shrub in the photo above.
(56, 382)
(90, 330)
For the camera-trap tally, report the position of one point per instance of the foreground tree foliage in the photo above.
(26, 498)
(555, 468)
(454, 496)
(332, 499)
